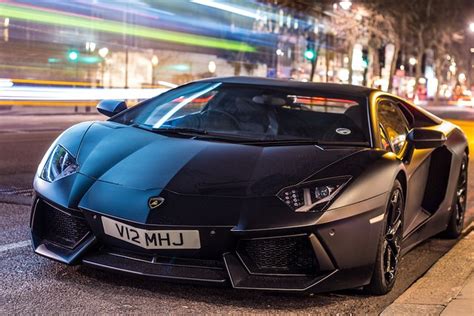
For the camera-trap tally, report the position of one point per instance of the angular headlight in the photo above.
(312, 196)
(59, 164)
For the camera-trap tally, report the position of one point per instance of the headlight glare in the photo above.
(312, 196)
(59, 165)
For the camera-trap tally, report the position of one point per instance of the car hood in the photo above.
(142, 160)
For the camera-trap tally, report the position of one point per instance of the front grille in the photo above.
(65, 228)
(285, 255)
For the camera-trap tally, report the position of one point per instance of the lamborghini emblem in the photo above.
(154, 202)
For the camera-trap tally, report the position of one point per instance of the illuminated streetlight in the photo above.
(346, 4)
(471, 27)
(279, 52)
(103, 52)
(212, 67)
(452, 68)
(155, 60)
(90, 46)
(412, 61)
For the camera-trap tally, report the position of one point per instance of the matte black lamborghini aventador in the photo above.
(257, 183)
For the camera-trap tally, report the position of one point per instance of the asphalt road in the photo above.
(32, 284)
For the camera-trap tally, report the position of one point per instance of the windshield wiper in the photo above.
(202, 134)
(180, 130)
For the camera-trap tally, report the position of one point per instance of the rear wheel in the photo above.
(388, 254)
(456, 222)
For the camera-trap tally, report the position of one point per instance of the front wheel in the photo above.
(388, 253)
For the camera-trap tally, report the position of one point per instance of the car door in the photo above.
(394, 126)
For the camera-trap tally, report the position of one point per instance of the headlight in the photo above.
(312, 196)
(59, 164)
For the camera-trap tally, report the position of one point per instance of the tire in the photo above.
(456, 221)
(388, 252)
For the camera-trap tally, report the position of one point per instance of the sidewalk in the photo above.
(446, 289)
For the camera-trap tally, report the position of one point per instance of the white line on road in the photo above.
(15, 245)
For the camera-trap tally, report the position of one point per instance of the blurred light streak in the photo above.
(227, 7)
(74, 83)
(56, 18)
(72, 94)
(47, 103)
(6, 83)
(120, 6)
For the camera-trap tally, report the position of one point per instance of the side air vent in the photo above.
(438, 178)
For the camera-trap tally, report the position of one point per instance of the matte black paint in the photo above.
(227, 192)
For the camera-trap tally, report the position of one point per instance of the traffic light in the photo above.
(310, 53)
(73, 55)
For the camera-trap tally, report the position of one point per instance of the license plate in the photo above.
(152, 239)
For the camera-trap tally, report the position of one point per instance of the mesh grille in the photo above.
(62, 227)
(279, 255)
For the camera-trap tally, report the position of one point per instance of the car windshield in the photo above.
(253, 113)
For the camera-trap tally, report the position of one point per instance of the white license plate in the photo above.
(152, 239)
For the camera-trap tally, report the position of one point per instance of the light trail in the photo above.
(78, 83)
(15, 94)
(56, 18)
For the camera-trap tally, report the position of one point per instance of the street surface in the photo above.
(32, 284)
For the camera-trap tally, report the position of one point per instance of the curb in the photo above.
(433, 292)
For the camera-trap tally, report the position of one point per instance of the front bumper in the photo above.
(329, 255)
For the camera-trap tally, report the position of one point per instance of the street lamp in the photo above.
(345, 5)
(154, 62)
(103, 52)
(471, 27)
(212, 67)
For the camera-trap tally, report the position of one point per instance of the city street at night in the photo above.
(30, 281)
(169, 157)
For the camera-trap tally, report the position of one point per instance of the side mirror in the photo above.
(111, 107)
(421, 138)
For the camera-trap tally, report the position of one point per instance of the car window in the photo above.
(394, 124)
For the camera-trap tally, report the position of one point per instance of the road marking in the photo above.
(15, 245)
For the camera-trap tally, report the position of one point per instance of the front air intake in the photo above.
(65, 228)
(280, 255)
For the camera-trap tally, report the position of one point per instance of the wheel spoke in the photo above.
(461, 206)
(392, 235)
(461, 191)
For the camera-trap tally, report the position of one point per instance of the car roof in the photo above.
(324, 88)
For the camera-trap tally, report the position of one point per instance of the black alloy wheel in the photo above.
(389, 251)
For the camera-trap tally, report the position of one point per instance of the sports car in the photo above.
(252, 183)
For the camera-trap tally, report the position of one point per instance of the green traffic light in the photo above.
(309, 54)
(73, 55)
